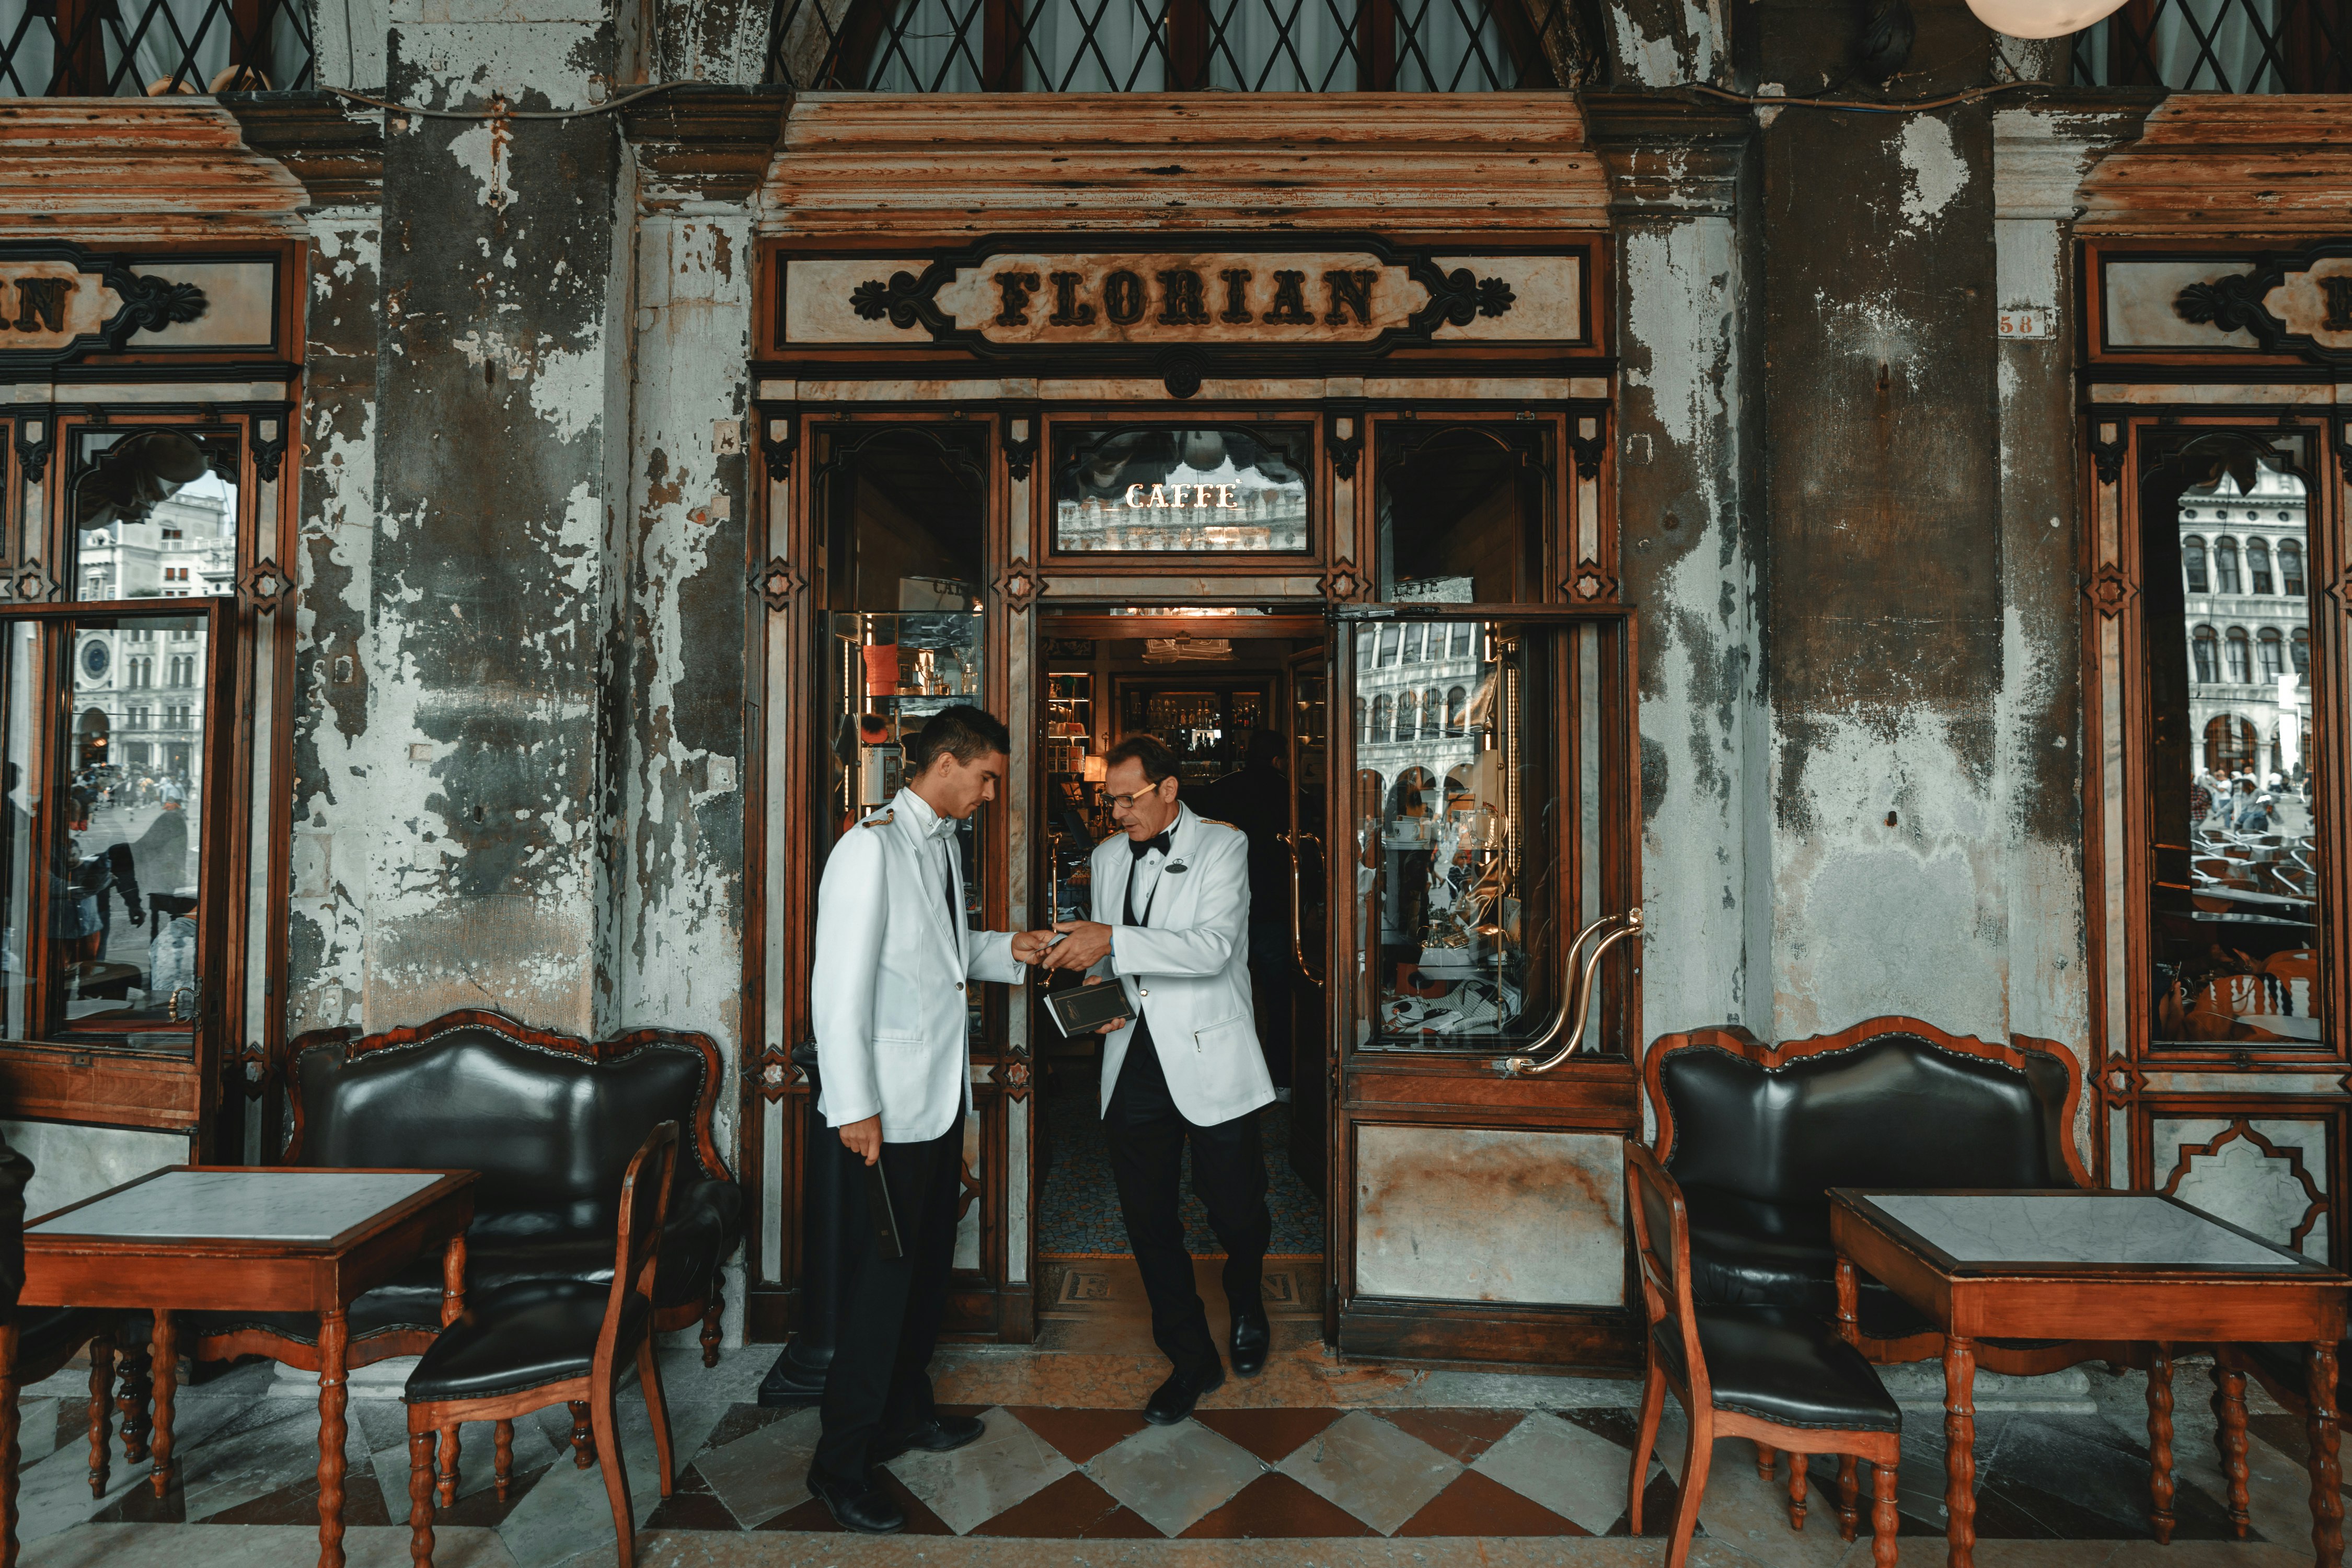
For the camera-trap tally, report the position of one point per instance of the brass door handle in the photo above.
(1615, 928)
(1298, 907)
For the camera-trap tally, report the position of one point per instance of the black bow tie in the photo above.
(1149, 845)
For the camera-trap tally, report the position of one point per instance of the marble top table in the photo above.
(2056, 1277)
(303, 1207)
(245, 1239)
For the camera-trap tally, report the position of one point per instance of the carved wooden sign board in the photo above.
(1257, 300)
(58, 302)
(2278, 303)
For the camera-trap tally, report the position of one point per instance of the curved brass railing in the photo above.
(1614, 929)
(1298, 906)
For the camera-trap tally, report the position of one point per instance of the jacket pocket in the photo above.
(904, 1041)
(1214, 1034)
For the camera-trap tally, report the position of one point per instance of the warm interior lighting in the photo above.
(2040, 19)
(1095, 769)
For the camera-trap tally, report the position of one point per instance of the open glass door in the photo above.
(1484, 1079)
(1303, 1002)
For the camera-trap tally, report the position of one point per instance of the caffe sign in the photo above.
(1004, 299)
(58, 301)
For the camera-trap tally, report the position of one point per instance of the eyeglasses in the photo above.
(1127, 802)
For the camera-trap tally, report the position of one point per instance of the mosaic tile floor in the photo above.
(1078, 1209)
(1342, 1463)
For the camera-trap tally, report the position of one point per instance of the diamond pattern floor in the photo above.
(1384, 1467)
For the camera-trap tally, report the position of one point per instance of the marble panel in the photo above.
(972, 1485)
(1570, 1469)
(760, 1476)
(1490, 1214)
(1376, 1472)
(2138, 304)
(967, 1243)
(2241, 1184)
(274, 1206)
(1172, 1476)
(240, 306)
(2063, 1229)
(70, 1164)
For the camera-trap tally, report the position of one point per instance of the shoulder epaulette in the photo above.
(884, 820)
(1216, 822)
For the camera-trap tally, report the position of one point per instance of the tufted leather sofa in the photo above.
(1756, 1136)
(551, 1123)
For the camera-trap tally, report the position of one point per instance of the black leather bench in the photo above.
(551, 1123)
(1756, 1135)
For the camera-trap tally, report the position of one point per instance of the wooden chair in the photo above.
(552, 1341)
(1776, 1375)
(35, 1344)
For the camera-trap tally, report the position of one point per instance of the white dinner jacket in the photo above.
(1186, 969)
(888, 989)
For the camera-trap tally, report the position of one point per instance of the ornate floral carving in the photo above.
(778, 581)
(1343, 582)
(264, 587)
(1589, 584)
(2110, 590)
(1018, 584)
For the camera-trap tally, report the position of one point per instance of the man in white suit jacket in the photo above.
(1171, 925)
(894, 959)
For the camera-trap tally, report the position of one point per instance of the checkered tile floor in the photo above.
(1096, 1474)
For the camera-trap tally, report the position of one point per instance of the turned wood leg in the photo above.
(504, 1448)
(453, 1280)
(2327, 1474)
(334, 1332)
(2229, 1437)
(420, 1497)
(2159, 1442)
(11, 1454)
(712, 1315)
(1959, 1452)
(101, 1410)
(616, 1476)
(450, 1465)
(1849, 1506)
(1765, 1457)
(1797, 1466)
(131, 1395)
(656, 1410)
(1883, 1520)
(1849, 1300)
(583, 1436)
(1645, 1437)
(166, 1374)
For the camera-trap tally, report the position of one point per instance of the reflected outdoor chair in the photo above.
(552, 1341)
(1779, 1375)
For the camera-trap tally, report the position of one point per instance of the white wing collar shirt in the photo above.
(891, 973)
(1185, 965)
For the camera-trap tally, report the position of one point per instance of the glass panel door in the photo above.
(1307, 1002)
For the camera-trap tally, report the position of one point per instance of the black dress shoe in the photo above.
(940, 1435)
(859, 1506)
(1252, 1336)
(1173, 1400)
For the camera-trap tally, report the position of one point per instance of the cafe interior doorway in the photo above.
(1239, 695)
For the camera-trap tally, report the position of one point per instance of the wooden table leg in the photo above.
(2229, 1436)
(2327, 1474)
(333, 1336)
(165, 1371)
(1959, 1452)
(2159, 1442)
(1849, 1300)
(11, 1455)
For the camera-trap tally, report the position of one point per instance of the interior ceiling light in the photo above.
(2040, 19)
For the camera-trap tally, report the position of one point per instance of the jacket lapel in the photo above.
(926, 851)
(1111, 908)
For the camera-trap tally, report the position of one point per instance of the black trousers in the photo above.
(1147, 1135)
(879, 1381)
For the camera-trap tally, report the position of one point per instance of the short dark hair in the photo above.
(964, 732)
(1159, 763)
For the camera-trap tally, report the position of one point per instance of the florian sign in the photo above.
(58, 301)
(1255, 298)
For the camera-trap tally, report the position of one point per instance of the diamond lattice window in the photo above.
(2218, 46)
(103, 48)
(1176, 46)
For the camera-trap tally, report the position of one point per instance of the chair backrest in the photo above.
(1890, 1103)
(643, 1199)
(551, 1121)
(1662, 1245)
